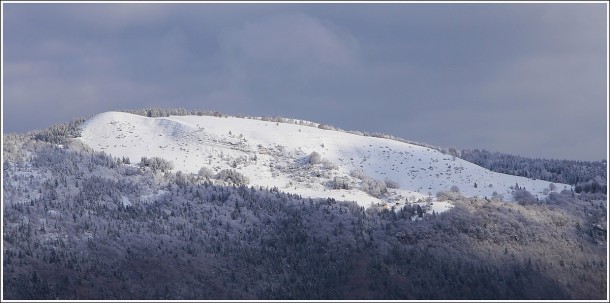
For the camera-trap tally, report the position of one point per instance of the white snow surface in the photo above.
(274, 154)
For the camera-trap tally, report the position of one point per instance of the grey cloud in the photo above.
(520, 78)
(286, 50)
(281, 59)
(288, 40)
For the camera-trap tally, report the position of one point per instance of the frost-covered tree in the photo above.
(60, 133)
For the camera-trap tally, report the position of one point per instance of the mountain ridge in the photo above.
(272, 154)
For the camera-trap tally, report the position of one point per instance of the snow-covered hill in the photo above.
(274, 154)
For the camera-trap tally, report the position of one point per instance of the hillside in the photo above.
(82, 224)
(270, 154)
(78, 224)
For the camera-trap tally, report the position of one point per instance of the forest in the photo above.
(81, 224)
(586, 176)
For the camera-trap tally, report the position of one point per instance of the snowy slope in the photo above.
(276, 154)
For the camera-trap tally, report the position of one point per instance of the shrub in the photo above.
(340, 183)
(205, 172)
(156, 163)
(315, 158)
(523, 197)
(450, 195)
(496, 196)
(374, 187)
(391, 184)
(369, 185)
(358, 174)
(232, 176)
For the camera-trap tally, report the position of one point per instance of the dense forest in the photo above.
(587, 176)
(80, 224)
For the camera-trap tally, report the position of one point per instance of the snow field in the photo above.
(274, 154)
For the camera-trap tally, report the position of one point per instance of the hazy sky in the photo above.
(527, 79)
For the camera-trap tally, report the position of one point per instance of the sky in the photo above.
(519, 78)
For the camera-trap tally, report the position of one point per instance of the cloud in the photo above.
(295, 39)
(272, 65)
(39, 94)
(456, 74)
(289, 45)
(114, 18)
